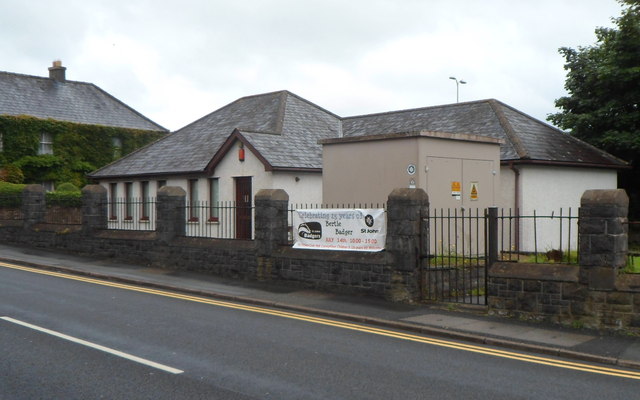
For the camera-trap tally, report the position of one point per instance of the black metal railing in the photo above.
(135, 213)
(538, 238)
(462, 243)
(454, 268)
(633, 255)
(11, 208)
(63, 215)
(221, 220)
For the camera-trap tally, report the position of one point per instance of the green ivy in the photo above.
(64, 199)
(10, 194)
(77, 149)
(68, 187)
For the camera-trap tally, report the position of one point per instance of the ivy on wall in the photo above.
(10, 194)
(77, 149)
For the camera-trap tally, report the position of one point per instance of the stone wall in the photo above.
(392, 275)
(594, 294)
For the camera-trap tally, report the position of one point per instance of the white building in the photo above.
(272, 141)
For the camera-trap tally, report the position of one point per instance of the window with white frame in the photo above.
(117, 147)
(1, 142)
(193, 200)
(46, 143)
(144, 206)
(128, 200)
(214, 200)
(113, 201)
(48, 186)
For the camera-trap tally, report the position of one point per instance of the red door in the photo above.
(243, 207)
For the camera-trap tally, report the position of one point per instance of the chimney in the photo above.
(57, 72)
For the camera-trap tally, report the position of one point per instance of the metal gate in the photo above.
(459, 245)
(454, 265)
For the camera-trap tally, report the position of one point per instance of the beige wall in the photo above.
(367, 171)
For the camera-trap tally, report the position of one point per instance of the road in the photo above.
(72, 337)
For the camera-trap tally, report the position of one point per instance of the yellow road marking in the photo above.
(346, 325)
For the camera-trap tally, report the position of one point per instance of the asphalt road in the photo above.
(206, 349)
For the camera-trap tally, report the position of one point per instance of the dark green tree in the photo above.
(603, 102)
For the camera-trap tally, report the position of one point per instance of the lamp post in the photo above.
(458, 82)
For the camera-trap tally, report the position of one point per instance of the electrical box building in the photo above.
(456, 170)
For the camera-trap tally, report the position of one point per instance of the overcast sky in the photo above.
(176, 61)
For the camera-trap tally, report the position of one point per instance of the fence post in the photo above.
(492, 237)
(271, 228)
(603, 236)
(94, 208)
(34, 206)
(170, 213)
(271, 220)
(406, 209)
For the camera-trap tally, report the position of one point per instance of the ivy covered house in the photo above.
(53, 130)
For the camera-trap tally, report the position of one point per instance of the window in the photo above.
(161, 184)
(48, 186)
(128, 201)
(117, 147)
(193, 200)
(113, 201)
(46, 143)
(214, 200)
(144, 208)
(1, 143)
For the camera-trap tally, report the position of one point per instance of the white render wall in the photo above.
(550, 190)
(302, 187)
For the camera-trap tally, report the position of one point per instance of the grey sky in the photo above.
(177, 61)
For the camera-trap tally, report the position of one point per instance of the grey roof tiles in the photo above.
(285, 129)
(71, 101)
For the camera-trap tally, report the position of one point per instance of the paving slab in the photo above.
(526, 333)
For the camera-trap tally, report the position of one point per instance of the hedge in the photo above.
(10, 194)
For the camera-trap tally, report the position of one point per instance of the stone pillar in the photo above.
(34, 205)
(407, 241)
(94, 208)
(603, 237)
(271, 227)
(171, 220)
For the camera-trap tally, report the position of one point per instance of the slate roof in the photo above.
(71, 101)
(284, 129)
(525, 138)
(281, 126)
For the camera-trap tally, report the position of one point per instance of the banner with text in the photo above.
(340, 229)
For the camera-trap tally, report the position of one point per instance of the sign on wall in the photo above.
(340, 229)
(455, 190)
(473, 191)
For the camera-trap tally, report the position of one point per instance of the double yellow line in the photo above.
(346, 325)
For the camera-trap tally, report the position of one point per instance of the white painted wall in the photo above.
(306, 189)
(549, 191)
(302, 187)
(507, 188)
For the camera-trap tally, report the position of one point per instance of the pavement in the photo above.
(451, 321)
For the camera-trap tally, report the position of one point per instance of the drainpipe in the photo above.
(516, 173)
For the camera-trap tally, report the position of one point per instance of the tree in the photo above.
(603, 105)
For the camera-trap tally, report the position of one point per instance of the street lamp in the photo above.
(458, 82)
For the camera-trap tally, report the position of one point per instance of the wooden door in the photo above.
(243, 208)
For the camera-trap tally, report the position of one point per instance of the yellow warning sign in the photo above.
(474, 191)
(455, 188)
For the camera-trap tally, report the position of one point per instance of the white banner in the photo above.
(340, 229)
